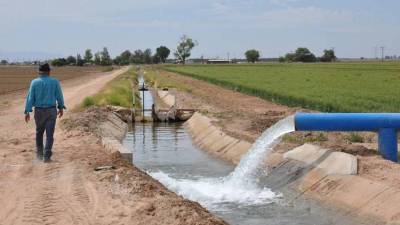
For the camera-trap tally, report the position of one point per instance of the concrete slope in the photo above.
(310, 172)
(211, 138)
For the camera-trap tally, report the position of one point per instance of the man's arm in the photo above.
(30, 99)
(60, 100)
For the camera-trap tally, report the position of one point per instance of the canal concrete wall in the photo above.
(166, 97)
(112, 130)
(310, 172)
(211, 138)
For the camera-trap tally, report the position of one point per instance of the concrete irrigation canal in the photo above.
(166, 152)
(242, 194)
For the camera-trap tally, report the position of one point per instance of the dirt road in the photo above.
(68, 191)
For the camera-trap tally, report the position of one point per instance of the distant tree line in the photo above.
(182, 53)
(300, 55)
(305, 55)
(101, 58)
(142, 56)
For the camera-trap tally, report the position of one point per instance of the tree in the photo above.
(124, 58)
(117, 60)
(147, 56)
(79, 60)
(304, 55)
(137, 57)
(71, 60)
(184, 48)
(290, 57)
(3, 62)
(156, 59)
(328, 56)
(97, 58)
(105, 57)
(252, 55)
(88, 56)
(59, 62)
(162, 53)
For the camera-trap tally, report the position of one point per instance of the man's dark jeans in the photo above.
(45, 119)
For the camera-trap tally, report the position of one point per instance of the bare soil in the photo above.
(69, 190)
(14, 78)
(245, 117)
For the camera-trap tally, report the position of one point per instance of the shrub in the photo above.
(354, 137)
(88, 101)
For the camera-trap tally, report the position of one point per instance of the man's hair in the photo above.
(44, 68)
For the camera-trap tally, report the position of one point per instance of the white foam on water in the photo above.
(240, 186)
(213, 192)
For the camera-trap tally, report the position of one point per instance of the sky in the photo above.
(48, 28)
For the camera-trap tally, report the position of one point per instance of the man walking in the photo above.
(46, 96)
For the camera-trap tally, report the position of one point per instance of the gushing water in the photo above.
(246, 171)
(241, 185)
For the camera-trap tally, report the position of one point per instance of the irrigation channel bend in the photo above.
(238, 195)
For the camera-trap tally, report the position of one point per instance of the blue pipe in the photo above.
(385, 124)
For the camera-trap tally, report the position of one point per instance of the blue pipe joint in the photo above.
(388, 144)
(385, 124)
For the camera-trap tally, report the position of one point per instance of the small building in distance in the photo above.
(219, 61)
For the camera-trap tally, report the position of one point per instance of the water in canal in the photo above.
(167, 153)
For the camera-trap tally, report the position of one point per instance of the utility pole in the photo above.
(383, 52)
(143, 99)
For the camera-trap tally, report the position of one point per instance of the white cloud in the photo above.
(151, 24)
(283, 2)
(305, 16)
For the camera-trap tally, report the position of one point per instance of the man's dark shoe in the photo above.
(46, 160)
(39, 156)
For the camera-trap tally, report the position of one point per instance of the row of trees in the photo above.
(300, 55)
(183, 51)
(143, 57)
(305, 55)
(102, 58)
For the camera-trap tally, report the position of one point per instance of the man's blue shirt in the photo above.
(44, 92)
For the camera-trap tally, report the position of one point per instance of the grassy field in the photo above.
(118, 92)
(153, 78)
(14, 78)
(336, 87)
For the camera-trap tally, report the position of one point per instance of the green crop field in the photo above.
(336, 87)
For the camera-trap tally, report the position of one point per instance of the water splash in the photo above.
(241, 185)
(246, 171)
(213, 193)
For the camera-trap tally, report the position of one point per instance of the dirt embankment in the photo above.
(69, 190)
